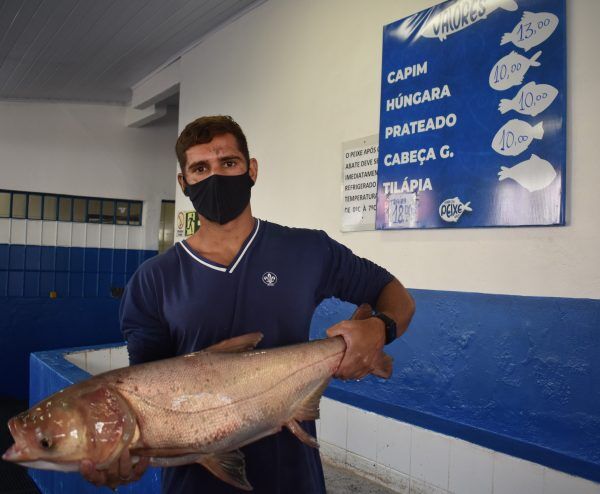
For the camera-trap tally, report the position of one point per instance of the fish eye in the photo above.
(45, 443)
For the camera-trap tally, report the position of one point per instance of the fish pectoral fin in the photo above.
(384, 364)
(309, 408)
(229, 467)
(237, 344)
(301, 434)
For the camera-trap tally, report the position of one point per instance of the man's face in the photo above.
(220, 156)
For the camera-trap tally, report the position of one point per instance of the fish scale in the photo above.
(261, 386)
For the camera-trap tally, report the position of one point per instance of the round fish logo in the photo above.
(452, 209)
(269, 278)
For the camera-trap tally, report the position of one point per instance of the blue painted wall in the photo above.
(84, 312)
(519, 375)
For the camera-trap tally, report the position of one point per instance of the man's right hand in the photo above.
(121, 471)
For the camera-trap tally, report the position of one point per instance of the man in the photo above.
(238, 274)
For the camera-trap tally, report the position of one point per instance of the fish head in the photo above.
(53, 430)
(69, 427)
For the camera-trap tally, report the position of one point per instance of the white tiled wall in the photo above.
(5, 230)
(49, 232)
(107, 236)
(413, 460)
(67, 234)
(64, 236)
(34, 232)
(98, 361)
(18, 233)
(79, 234)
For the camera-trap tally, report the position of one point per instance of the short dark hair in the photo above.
(203, 130)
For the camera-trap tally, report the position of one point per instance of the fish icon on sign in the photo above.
(456, 17)
(510, 70)
(532, 30)
(452, 209)
(532, 99)
(515, 136)
(533, 174)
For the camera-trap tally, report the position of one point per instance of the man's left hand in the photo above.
(364, 342)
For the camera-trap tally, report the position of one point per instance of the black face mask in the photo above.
(221, 198)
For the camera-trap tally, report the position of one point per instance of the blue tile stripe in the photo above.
(35, 271)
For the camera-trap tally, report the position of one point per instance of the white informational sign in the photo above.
(359, 183)
(186, 219)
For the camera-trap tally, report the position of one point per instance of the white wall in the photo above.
(301, 77)
(87, 150)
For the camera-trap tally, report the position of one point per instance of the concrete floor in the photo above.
(345, 481)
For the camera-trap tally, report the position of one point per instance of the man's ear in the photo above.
(253, 169)
(181, 181)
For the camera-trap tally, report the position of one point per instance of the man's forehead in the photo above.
(221, 145)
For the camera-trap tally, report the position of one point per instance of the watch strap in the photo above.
(390, 326)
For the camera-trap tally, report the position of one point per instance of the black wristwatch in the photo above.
(390, 326)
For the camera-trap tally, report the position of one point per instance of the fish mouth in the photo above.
(15, 454)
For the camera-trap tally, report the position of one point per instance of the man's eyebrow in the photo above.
(229, 158)
(199, 162)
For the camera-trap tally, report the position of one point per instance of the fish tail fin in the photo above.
(508, 5)
(533, 60)
(538, 131)
(505, 105)
(506, 38)
(503, 173)
(467, 207)
(230, 467)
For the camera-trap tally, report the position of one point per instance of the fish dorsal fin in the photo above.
(301, 434)
(237, 344)
(309, 408)
(229, 467)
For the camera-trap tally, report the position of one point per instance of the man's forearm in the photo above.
(395, 301)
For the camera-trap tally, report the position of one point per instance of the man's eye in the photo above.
(229, 164)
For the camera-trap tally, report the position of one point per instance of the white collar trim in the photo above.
(247, 246)
(220, 268)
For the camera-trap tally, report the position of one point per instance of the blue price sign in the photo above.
(473, 105)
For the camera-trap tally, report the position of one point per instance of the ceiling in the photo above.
(96, 50)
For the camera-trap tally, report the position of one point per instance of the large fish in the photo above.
(196, 408)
